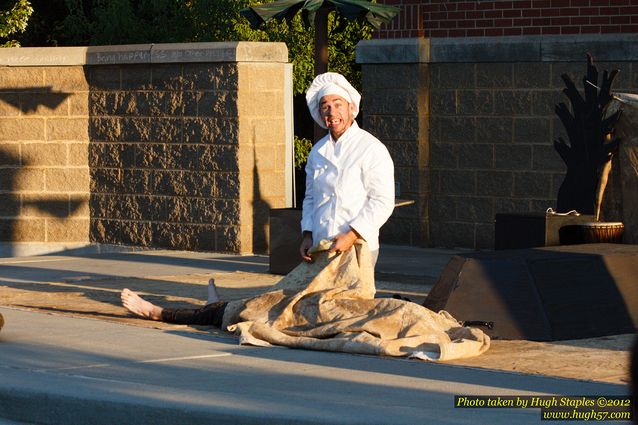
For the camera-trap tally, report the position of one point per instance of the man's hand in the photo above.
(343, 242)
(306, 244)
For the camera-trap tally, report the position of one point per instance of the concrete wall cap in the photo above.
(235, 51)
(554, 48)
(603, 47)
(396, 50)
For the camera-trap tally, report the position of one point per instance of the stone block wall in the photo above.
(44, 175)
(164, 155)
(490, 124)
(184, 146)
(396, 111)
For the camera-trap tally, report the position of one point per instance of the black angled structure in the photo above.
(544, 294)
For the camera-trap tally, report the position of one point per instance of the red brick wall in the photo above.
(474, 18)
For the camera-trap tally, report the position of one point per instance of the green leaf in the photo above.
(302, 150)
(14, 21)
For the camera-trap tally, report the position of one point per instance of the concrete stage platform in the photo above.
(69, 353)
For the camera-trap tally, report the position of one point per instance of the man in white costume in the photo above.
(349, 173)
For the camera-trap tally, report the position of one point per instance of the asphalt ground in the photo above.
(69, 353)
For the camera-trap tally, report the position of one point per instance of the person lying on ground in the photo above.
(209, 315)
(329, 304)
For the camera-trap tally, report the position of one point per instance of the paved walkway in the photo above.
(71, 354)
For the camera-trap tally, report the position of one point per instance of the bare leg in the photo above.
(136, 305)
(213, 296)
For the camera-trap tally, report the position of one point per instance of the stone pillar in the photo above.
(187, 145)
(262, 149)
(475, 138)
(395, 106)
(44, 174)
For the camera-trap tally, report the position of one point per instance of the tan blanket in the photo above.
(329, 305)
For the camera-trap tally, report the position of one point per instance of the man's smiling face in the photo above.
(336, 113)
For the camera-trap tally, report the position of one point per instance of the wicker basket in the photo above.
(602, 232)
(595, 232)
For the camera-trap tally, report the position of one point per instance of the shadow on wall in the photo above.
(25, 205)
(261, 214)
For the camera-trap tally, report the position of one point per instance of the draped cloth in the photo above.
(621, 197)
(329, 305)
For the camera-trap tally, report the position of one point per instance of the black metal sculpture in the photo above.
(591, 142)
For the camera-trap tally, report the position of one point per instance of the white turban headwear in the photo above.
(326, 84)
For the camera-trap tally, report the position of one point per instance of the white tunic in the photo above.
(349, 184)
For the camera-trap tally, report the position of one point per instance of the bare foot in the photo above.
(213, 296)
(139, 306)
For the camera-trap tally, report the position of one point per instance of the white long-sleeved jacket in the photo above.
(349, 184)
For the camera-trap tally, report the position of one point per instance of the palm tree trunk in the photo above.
(321, 41)
(321, 54)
